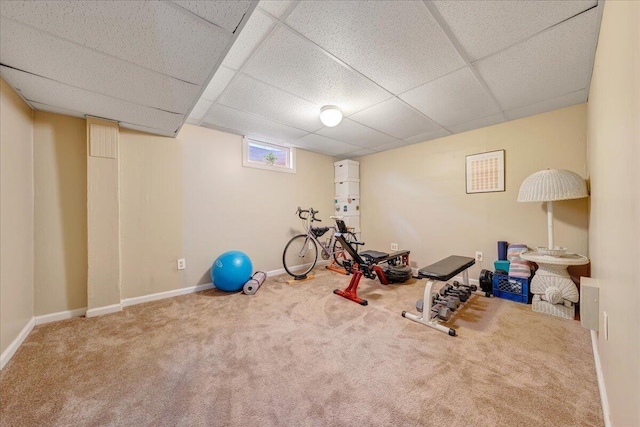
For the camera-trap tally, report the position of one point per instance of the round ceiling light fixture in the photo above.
(330, 115)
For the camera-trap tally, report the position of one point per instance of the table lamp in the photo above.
(551, 185)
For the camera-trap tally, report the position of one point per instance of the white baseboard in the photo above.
(13, 347)
(107, 309)
(61, 315)
(168, 294)
(283, 271)
(601, 387)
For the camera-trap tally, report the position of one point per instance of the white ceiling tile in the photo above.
(397, 44)
(44, 91)
(478, 123)
(200, 110)
(192, 121)
(485, 27)
(427, 136)
(253, 96)
(455, 98)
(250, 125)
(56, 110)
(395, 118)
(323, 145)
(390, 146)
(277, 8)
(356, 134)
(360, 153)
(567, 100)
(297, 66)
(256, 29)
(218, 83)
(225, 14)
(34, 51)
(154, 34)
(552, 63)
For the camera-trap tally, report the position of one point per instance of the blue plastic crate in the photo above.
(512, 288)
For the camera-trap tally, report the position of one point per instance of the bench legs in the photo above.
(424, 318)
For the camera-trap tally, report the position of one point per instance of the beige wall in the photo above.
(415, 196)
(60, 159)
(191, 198)
(614, 236)
(16, 215)
(151, 213)
(231, 207)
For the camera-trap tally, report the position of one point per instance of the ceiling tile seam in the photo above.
(335, 58)
(432, 80)
(198, 17)
(262, 117)
(458, 47)
(234, 38)
(362, 124)
(89, 90)
(98, 117)
(415, 110)
(526, 39)
(594, 43)
(26, 101)
(544, 100)
(240, 70)
(286, 13)
(99, 51)
(260, 43)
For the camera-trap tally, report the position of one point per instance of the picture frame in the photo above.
(485, 172)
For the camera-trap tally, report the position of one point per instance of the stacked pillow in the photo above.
(518, 267)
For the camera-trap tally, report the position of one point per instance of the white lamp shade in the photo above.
(330, 115)
(552, 184)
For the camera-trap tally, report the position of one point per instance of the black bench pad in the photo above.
(447, 268)
(374, 256)
(377, 256)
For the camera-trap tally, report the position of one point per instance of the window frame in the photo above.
(291, 151)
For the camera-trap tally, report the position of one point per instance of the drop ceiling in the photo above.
(402, 72)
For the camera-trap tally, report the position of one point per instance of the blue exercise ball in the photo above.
(231, 270)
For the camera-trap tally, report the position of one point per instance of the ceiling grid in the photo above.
(402, 72)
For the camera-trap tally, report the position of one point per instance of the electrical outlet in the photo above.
(182, 264)
(479, 256)
(394, 246)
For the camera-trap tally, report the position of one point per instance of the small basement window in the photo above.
(264, 155)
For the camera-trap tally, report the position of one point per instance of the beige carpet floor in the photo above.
(298, 355)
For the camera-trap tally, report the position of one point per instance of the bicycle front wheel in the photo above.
(339, 254)
(300, 255)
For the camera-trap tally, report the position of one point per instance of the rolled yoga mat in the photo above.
(502, 250)
(252, 285)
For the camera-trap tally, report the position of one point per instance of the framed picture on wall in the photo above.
(485, 172)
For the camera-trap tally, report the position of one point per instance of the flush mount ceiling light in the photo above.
(330, 115)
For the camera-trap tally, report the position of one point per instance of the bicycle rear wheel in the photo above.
(339, 255)
(300, 255)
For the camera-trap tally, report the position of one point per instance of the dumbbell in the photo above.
(450, 301)
(464, 289)
(450, 290)
(441, 312)
(437, 310)
(471, 288)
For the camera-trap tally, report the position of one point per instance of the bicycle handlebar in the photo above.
(310, 212)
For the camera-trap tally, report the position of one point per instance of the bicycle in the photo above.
(301, 252)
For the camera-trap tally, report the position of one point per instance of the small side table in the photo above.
(552, 271)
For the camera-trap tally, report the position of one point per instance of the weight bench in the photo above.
(441, 271)
(366, 264)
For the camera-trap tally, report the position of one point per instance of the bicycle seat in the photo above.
(319, 231)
